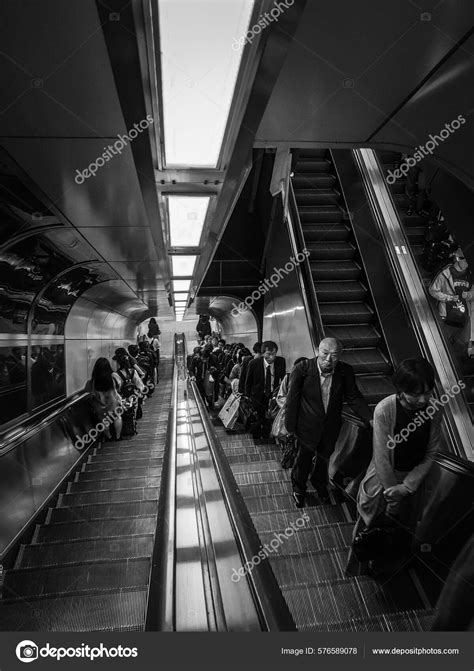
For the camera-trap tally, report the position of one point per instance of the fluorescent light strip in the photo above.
(186, 219)
(199, 67)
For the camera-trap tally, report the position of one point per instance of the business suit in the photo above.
(243, 372)
(317, 429)
(255, 390)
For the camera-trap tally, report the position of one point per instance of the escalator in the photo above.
(87, 568)
(414, 226)
(309, 563)
(340, 284)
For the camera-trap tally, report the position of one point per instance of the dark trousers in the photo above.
(312, 464)
(262, 426)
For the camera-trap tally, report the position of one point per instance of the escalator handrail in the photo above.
(273, 610)
(303, 271)
(160, 610)
(18, 435)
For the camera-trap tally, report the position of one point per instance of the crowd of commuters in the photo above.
(118, 395)
(391, 487)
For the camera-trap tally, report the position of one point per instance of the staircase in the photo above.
(87, 567)
(341, 287)
(309, 564)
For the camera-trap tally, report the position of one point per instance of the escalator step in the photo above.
(316, 197)
(117, 473)
(307, 568)
(366, 361)
(311, 153)
(122, 611)
(119, 496)
(416, 235)
(335, 270)
(265, 488)
(258, 477)
(413, 220)
(321, 517)
(374, 388)
(319, 180)
(414, 620)
(124, 461)
(310, 165)
(129, 452)
(314, 605)
(76, 552)
(320, 213)
(103, 511)
(395, 593)
(51, 533)
(311, 540)
(346, 313)
(255, 456)
(328, 292)
(354, 336)
(99, 576)
(270, 464)
(284, 503)
(334, 232)
(330, 251)
(97, 485)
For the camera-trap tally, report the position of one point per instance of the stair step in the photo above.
(346, 313)
(97, 485)
(284, 502)
(121, 611)
(365, 361)
(315, 516)
(311, 153)
(335, 270)
(268, 488)
(319, 180)
(349, 290)
(330, 251)
(320, 213)
(315, 165)
(104, 474)
(375, 388)
(308, 196)
(416, 235)
(99, 511)
(410, 620)
(354, 336)
(109, 497)
(309, 567)
(125, 461)
(77, 552)
(258, 477)
(326, 232)
(51, 533)
(64, 580)
(314, 540)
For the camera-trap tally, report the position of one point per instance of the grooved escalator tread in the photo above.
(89, 474)
(319, 196)
(319, 180)
(312, 539)
(97, 511)
(410, 620)
(49, 533)
(360, 335)
(346, 313)
(83, 578)
(331, 232)
(346, 290)
(369, 360)
(112, 484)
(313, 165)
(310, 214)
(108, 496)
(116, 611)
(123, 461)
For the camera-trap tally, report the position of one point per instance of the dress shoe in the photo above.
(323, 495)
(299, 499)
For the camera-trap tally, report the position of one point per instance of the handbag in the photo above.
(456, 313)
(229, 412)
(290, 450)
(278, 426)
(247, 414)
(380, 542)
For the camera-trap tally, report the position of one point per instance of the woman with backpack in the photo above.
(104, 396)
(153, 336)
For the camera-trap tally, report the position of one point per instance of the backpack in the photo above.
(144, 361)
(128, 386)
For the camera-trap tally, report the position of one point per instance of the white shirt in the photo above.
(325, 380)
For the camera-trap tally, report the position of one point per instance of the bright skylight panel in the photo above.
(186, 219)
(199, 67)
(181, 285)
(182, 266)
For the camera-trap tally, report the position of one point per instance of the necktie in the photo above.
(268, 382)
(325, 391)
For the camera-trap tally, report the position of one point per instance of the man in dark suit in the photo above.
(257, 353)
(313, 413)
(263, 377)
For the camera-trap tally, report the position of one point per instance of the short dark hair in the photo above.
(257, 348)
(414, 376)
(269, 344)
